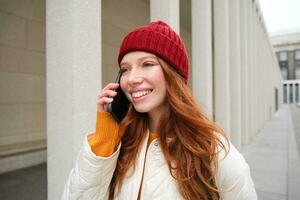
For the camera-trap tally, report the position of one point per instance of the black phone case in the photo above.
(119, 107)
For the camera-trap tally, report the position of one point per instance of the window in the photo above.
(284, 72)
(297, 55)
(297, 73)
(285, 93)
(283, 56)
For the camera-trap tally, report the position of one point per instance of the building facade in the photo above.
(287, 49)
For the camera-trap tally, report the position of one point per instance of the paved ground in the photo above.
(25, 184)
(295, 111)
(273, 158)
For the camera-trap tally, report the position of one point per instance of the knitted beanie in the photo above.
(160, 39)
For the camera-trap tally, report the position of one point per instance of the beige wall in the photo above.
(185, 30)
(118, 18)
(186, 37)
(22, 83)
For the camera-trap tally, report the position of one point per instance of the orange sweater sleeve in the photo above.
(107, 137)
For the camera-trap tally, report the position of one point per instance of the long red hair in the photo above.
(195, 142)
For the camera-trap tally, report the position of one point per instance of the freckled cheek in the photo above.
(123, 85)
(157, 76)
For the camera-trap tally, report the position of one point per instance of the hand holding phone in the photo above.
(120, 104)
(104, 97)
(113, 100)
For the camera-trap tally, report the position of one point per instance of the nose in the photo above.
(135, 77)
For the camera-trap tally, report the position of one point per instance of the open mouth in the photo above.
(139, 94)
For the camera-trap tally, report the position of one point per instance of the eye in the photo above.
(148, 64)
(123, 70)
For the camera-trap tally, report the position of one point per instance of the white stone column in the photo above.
(251, 82)
(295, 93)
(260, 75)
(298, 92)
(244, 71)
(202, 54)
(288, 93)
(255, 69)
(221, 64)
(167, 10)
(291, 93)
(73, 81)
(285, 94)
(235, 73)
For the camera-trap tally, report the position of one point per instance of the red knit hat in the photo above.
(160, 39)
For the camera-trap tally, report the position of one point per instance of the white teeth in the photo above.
(140, 93)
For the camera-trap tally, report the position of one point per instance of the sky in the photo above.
(281, 16)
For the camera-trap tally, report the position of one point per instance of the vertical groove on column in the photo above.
(213, 60)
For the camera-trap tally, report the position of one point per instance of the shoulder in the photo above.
(231, 164)
(233, 174)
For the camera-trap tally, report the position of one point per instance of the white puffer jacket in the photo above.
(91, 176)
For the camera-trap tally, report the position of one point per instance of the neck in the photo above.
(153, 122)
(154, 118)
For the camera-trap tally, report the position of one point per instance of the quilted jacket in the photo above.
(91, 176)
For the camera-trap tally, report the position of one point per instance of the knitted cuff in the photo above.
(107, 137)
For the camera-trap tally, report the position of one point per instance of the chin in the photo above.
(141, 110)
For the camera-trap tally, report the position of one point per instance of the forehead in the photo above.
(137, 55)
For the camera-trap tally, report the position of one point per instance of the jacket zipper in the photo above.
(142, 180)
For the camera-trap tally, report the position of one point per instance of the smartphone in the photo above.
(119, 107)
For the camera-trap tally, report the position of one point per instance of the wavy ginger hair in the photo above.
(194, 145)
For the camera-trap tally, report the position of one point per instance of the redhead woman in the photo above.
(165, 147)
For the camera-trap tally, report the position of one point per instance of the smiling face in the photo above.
(143, 82)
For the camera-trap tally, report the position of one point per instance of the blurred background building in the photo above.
(287, 49)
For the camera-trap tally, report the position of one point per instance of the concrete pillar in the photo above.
(251, 82)
(73, 81)
(255, 55)
(284, 93)
(257, 81)
(298, 92)
(221, 64)
(244, 71)
(202, 54)
(288, 93)
(235, 73)
(291, 93)
(260, 83)
(295, 93)
(167, 10)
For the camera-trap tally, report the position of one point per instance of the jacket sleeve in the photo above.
(233, 177)
(91, 175)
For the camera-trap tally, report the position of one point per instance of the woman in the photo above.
(165, 147)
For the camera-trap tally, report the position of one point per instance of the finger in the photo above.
(107, 93)
(104, 100)
(111, 86)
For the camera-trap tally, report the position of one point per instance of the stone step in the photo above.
(19, 148)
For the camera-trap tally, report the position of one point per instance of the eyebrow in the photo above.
(142, 58)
